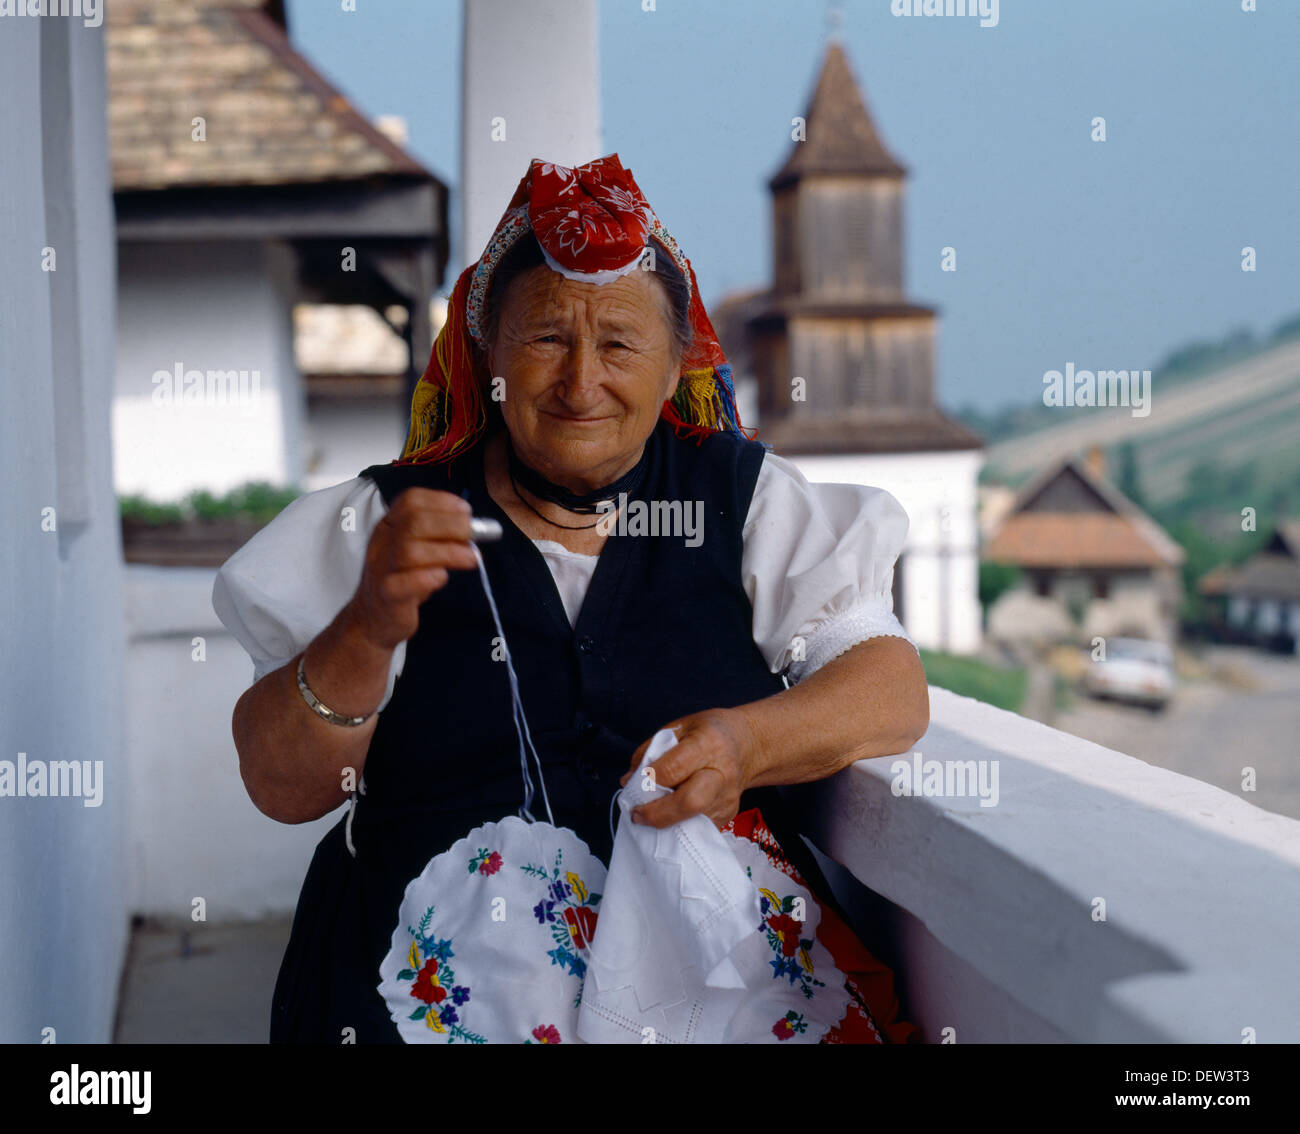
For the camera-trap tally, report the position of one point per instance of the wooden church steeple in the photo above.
(835, 322)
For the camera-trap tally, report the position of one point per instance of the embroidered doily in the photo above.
(493, 937)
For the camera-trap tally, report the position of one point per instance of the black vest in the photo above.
(665, 630)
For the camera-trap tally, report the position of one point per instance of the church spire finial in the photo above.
(834, 20)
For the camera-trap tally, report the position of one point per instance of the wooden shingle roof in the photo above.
(840, 135)
(270, 118)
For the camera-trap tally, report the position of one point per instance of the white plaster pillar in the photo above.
(530, 87)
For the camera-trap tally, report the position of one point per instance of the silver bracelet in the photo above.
(320, 708)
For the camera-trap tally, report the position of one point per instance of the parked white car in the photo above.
(1133, 670)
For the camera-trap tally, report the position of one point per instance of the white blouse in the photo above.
(817, 565)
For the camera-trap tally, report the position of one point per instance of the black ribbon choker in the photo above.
(587, 503)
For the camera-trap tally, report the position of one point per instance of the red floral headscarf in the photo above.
(592, 224)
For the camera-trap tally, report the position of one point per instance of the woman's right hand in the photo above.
(423, 535)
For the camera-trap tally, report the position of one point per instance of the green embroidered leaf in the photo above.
(592, 899)
(418, 1014)
(787, 903)
(406, 974)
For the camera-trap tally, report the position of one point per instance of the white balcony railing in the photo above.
(992, 914)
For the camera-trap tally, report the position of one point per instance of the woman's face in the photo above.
(587, 368)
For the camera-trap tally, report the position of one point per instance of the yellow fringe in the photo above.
(424, 412)
(696, 398)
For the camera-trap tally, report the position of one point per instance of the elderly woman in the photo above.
(577, 373)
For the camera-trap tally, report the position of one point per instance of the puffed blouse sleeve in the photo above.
(818, 566)
(287, 583)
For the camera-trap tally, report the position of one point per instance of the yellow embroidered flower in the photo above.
(413, 957)
(434, 1022)
(578, 887)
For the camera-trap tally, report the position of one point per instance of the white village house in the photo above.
(246, 184)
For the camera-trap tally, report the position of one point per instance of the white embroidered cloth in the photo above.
(697, 942)
(517, 934)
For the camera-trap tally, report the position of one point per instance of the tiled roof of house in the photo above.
(1266, 575)
(1114, 533)
(1273, 572)
(840, 135)
(270, 118)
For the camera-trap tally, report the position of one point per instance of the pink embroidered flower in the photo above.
(789, 1025)
(547, 1033)
(491, 864)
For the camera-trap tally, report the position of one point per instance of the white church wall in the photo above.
(940, 561)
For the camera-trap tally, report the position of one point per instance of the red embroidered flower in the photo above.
(787, 929)
(491, 864)
(546, 1034)
(426, 986)
(783, 1029)
(582, 924)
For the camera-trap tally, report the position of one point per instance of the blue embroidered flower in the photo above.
(567, 960)
(440, 949)
(543, 911)
(561, 890)
(447, 1014)
(785, 966)
(459, 994)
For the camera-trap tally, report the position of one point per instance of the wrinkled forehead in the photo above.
(543, 295)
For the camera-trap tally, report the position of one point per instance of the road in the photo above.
(1214, 728)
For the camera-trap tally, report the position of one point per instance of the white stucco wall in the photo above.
(64, 922)
(941, 608)
(205, 306)
(343, 437)
(192, 831)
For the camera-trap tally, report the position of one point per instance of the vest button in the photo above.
(586, 645)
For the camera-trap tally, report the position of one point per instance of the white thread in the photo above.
(521, 721)
(347, 827)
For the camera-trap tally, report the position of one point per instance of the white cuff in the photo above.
(870, 618)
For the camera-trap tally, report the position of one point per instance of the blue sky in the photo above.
(1107, 255)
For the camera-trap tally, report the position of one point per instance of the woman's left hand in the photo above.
(707, 769)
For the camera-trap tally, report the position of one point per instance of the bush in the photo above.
(258, 501)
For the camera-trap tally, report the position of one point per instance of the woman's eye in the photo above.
(549, 339)
(622, 346)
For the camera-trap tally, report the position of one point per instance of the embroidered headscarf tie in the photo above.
(593, 224)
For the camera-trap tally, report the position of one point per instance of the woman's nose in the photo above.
(582, 370)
